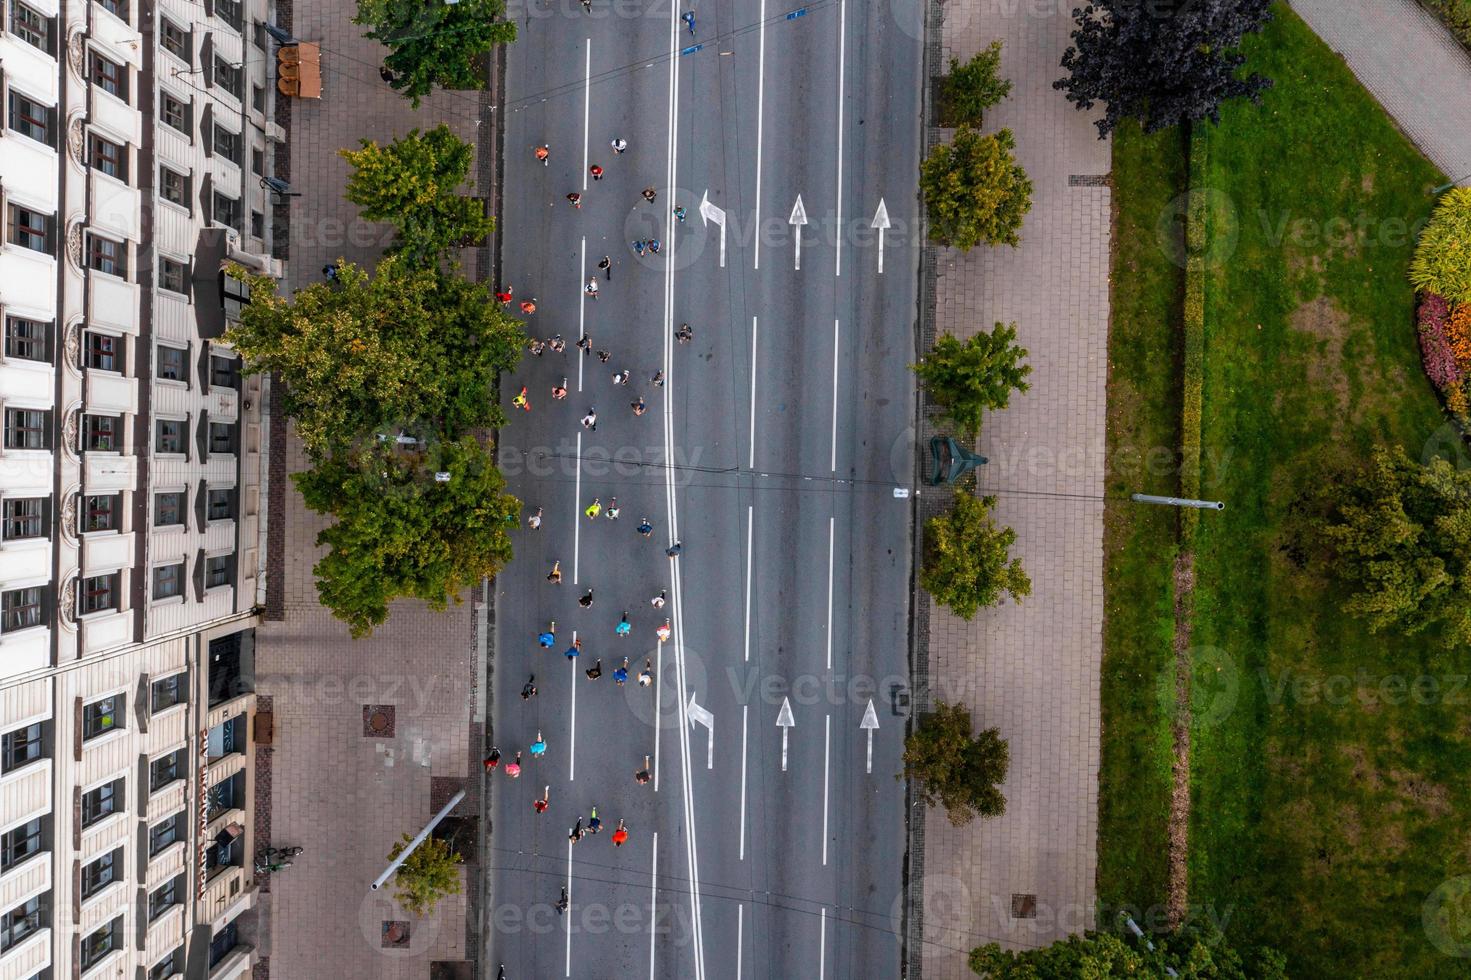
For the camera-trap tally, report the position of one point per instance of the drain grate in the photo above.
(1023, 906)
(395, 934)
(1089, 180)
(378, 721)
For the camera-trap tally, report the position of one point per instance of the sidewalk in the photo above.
(1411, 63)
(1027, 878)
(371, 736)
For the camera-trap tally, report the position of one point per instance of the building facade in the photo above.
(133, 153)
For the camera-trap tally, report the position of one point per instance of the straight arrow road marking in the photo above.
(881, 222)
(870, 724)
(785, 721)
(710, 212)
(703, 716)
(797, 220)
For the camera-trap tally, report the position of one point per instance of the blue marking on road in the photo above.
(691, 49)
(799, 12)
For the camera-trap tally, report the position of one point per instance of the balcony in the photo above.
(117, 115)
(231, 667)
(115, 207)
(113, 303)
(102, 472)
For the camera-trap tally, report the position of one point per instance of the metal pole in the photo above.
(423, 835)
(1144, 498)
(1445, 187)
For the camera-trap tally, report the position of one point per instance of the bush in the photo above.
(971, 378)
(1457, 16)
(1436, 353)
(967, 564)
(954, 769)
(432, 872)
(1442, 262)
(1200, 954)
(975, 191)
(972, 88)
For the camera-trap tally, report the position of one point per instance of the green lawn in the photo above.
(1139, 542)
(1317, 827)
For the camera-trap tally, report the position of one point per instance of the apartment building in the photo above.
(133, 149)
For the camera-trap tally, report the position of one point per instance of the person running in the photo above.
(593, 823)
(584, 344)
(684, 334)
(521, 401)
(644, 527)
(654, 246)
(624, 627)
(575, 199)
(621, 377)
(620, 834)
(590, 420)
(658, 379)
(658, 601)
(544, 153)
(604, 356)
(679, 212)
(555, 575)
(618, 144)
(585, 600)
(646, 676)
(638, 406)
(557, 344)
(534, 521)
(513, 768)
(595, 671)
(620, 673)
(539, 747)
(548, 636)
(503, 297)
(612, 512)
(528, 690)
(559, 391)
(592, 287)
(663, 632)
(689, 18)
(492, 760)
(593, 509)
(574, 649)
(596, 172)
(562, 902)
(650, 194)
(674, 549)
(606, 264)
(642, 775)
(528, 306)
(540, 806)
(639, 245)
(587, 5)
(537, 347)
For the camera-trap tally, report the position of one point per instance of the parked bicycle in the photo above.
(273, 859)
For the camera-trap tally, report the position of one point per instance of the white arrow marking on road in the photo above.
(785, 721)
(797, 220)
(706, 718)
(710, 212)
(881, 221)
(870, 724)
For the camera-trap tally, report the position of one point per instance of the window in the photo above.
(221, 505)
(27, 428)
(163, 898)
(234, 297)
(222, 438)
(102, 433)
(168, 508)
(219, 571)
(257, 161)
(109, 157)
(229, 77)
(21, 921)
(165, 832)
(226, 738)
(109, 76)
(101, 802)
(227, 211)
(258, 99)
(98, 944)
(173, 187)
(30, 229)
(171, 277)
(168, 436)
(226, 851)
(168, 581)
(229, 12)
(27, 339)
(32, 27)
(117, 7)
(21, 609)
(224, 372)
(22, 746)
(104, 351)
(30, 118)
(106, 255)
(100, 593)
(258, 34)
(98, 874)
(172, 363)
(229, 145)
(19, 843)
(257, 224)
(176, 113)
(165, 770)
(168, 966)
(174, 39)
(168, 691)
(25, 517)
(101, 717)
(100, 512)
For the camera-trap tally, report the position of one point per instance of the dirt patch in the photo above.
(1328, 325)
(1350, 827)
(1431, 797)
(1362, 771)
(1177, 899)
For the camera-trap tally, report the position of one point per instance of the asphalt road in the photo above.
(772, 454)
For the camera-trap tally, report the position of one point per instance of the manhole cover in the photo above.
(378, 720)
(395, 934)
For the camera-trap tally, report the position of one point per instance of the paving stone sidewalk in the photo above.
(1027, 878)
(1411, 63)
(373, 735)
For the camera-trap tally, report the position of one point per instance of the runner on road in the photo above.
(585, 600)
(689, 18)
(575, 199)
(596, 172)
(534, 521)
(658, 379)
(492, 760)
(620, 674)
(658, 601)
(559, 391)
(574, 649)
(663, 632)
(594, 824)
(528, 306)
(576, 834)
(620, 835)
(592, 287)
(539, 747)
(555, 575)
(612, 511)
(644, 527)
(621, 377)
(548, 636)
(544, 153)
(595, 671)
(541, 805)
(590, 420)
(593, 509)
(557, 344)
(562, 902)
(528, 690)
(521, 401)
(513, 768)
(684, 334)
(618, 144)
(638, 406)
(606, 264)
(624, 627)
(642, 776)
(679, 212)
(646, 676)
(650, 194)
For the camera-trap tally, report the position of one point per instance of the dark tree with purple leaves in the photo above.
(1161, 61)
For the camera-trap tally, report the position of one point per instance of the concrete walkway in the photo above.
(1027, 878)
(1411, 63)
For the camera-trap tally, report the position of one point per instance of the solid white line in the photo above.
(822, 949)
(577, 513)
(750, 526)
(842, 60)
(827, 746)
(832, 523)
(581, 312)
(833, 461)
(572, 750)
(740, 936)
(653, 903)
(586, 106)
(760, 120)
(568, 915)
(745, 710)
(658, 719)
(751, 460)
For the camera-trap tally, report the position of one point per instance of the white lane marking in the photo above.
(708, 213)
(653, 903)
(586, 106)
(755, 327)
(701, 715)
(760, 120)
(581, 311)
(745, 710)
(577, 513)
(827, 747)
(568, 913)
(797, 219)
(786, 723)
(822, 949)
(881, 222)
(658, 709)
(572, 727)
(832, 526)
(842, 61)
(740, 936)
(869, 724)
(833, 461)
(750, 527)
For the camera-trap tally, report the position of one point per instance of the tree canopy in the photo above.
(967, 564)
(429, 874)
(433, 44)
(1194, 954)
(973, 87)
(971, 377)
(1161, 63)
(975, 191)
(955, 769)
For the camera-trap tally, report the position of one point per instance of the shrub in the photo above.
(971, 378)
(972, 88)
(429, 874)
(1458, 335)
(953, 769)
(975, 191)
(1435, 349)
(1442, 262)
(966, 562)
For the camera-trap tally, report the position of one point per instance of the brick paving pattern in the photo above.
(344, 797)
(1411, 63)
(1030, 670)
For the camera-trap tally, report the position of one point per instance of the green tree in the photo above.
(1399, 533)
(975, 191)
(400, 532)
(430, 873)
(971, 377)
(1442, 262)
(406, 345)
(954, 769)
(972, 88)
(966, 562)
(435, 43)
(1195, 954)
(413, 183)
